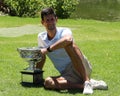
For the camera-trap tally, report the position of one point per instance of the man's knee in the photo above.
(49, 83)
(75, 46)
(72, 45)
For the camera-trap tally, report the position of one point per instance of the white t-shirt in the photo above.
(59, 57)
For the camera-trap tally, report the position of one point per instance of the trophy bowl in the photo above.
(32, 55)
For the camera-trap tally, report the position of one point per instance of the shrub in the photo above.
(63, 8)
(24, 8)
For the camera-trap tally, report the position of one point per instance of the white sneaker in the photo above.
(101, 85)
(87, 88)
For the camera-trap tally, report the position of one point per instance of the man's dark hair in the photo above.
(47, 11)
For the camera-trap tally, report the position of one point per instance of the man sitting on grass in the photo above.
(59, 46)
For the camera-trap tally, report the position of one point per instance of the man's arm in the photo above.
(41, 63)
(62, 43)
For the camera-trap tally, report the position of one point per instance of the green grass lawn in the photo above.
(99, 41)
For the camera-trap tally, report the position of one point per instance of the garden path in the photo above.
(20, 31)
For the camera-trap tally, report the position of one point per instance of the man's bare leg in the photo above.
(76, 57)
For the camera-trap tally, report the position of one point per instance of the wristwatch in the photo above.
(48, 49)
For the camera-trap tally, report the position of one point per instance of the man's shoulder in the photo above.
(62, 28)
(64, 31)
(42, 34)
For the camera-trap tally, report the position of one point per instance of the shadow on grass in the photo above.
(74, 91)
(70, 91)
(41, 85)
(29, 84)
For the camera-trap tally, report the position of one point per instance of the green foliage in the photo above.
(63, 8)
(24, 8)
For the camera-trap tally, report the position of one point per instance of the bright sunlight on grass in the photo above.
(100, 42)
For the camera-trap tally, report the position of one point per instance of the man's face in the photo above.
(49, 22)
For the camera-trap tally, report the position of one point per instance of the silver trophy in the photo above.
(32, 55)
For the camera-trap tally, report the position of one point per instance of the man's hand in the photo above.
(44, 51)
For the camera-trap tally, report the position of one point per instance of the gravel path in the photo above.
(19, 31)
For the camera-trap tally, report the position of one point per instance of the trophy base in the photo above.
(32, 76)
